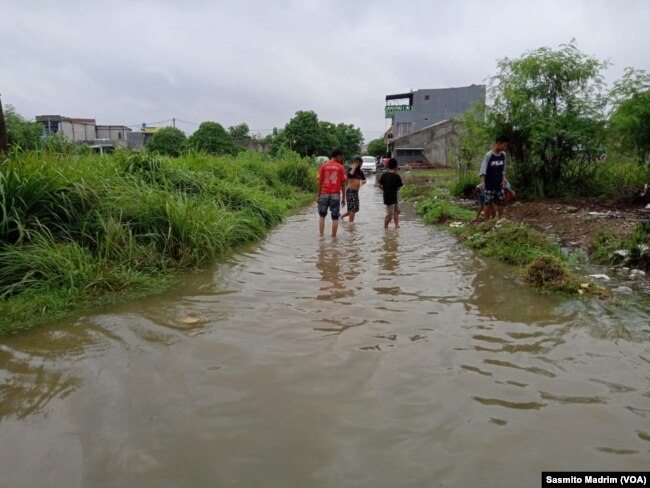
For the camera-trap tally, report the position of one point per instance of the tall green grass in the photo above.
(79, 229)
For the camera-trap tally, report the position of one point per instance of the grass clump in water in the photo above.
(548, 273)
(440, 210)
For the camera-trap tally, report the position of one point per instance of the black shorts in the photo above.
(352, 197)
(494, 196)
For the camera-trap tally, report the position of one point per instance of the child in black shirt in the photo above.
(391, 183)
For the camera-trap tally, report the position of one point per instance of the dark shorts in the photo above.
(494, 196)
(331, 202)
(352, 197)
(480, 197)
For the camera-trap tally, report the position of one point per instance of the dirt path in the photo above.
(576, 223)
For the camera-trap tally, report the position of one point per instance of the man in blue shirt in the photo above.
(493, 178)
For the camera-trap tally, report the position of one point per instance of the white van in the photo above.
(368, 164)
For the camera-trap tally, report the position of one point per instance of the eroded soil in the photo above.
(575, 223)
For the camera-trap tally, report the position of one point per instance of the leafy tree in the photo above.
(474, 139)
(21, 132)
(305, 135)
(329, 139)
(349, 139)
(169, 141)
(276, 141)
(212, 138)
(551, 105)
(632, 82)
(631, 125)
(240, 132)
(377, 147)
(308, 136)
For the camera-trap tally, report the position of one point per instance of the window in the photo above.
(119, 136)
(409, 153)
(426, 98)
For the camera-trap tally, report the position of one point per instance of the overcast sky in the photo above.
(260, 61)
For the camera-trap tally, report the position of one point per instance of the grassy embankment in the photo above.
(79, 231)
(541, 260)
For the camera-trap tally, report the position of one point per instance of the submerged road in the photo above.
(376, 359)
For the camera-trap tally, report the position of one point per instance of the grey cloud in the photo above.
(259, 62)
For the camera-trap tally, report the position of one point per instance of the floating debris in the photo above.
(600, 277)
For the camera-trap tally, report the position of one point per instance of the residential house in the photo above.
(117, 134)
(138, 139)
(83, 131)
(73, 129)
(423, 128)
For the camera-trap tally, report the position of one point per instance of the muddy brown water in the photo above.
(379, 359)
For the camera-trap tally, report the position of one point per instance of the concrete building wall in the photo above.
(77, 131)
(116, 133)
(431, 106)
(431, 144)
(137, 139)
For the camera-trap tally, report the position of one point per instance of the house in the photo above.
(73, 129)
(115, 133)
(423, 128)
(427, 146)
(82, 131)
(138, 139)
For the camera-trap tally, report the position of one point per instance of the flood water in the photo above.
(377, 359)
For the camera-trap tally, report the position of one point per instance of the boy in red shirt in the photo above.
(331, 190)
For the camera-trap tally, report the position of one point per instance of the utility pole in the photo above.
(174, 122)
(4, 137)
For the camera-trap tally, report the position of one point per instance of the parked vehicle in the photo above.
(368, 164)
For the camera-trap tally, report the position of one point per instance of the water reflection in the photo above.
(29, 380)
(389, 259)
(499, 294)
(351, 253)
(329, 264)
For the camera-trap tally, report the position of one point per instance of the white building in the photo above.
(82, 131)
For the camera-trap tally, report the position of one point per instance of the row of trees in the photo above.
(210, 137)
(308, 136)
(560, 117)
(303, 134)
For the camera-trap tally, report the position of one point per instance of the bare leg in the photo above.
(352, 214)
(321, 225)
(346, 214)
(335, 226)
(500, 210)
(396, 220)
(478, 214)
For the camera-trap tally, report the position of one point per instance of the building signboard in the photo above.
(391, 109)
